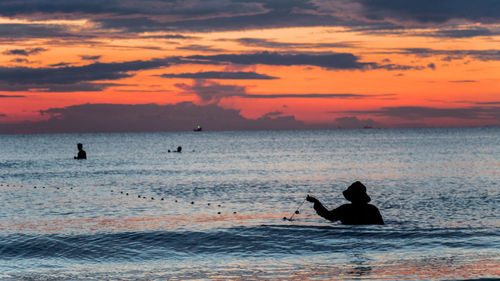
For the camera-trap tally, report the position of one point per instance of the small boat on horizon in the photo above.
(197, 129)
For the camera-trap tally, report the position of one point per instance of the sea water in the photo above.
(134, 211)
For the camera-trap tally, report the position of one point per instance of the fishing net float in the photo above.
(113, 191)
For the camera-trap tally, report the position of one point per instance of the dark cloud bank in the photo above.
(201, 15)
(72, 78)
(24, 52)
(204, 15)
(332, 61)
(92, 118)
(95, 118)
(12, 96)
(431, 11)
(63, 77)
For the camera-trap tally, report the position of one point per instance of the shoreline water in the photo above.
(436, 189)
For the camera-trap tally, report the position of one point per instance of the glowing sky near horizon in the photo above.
(343, 63)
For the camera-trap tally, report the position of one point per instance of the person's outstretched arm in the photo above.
(321, 210)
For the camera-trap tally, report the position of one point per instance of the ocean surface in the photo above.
(133, 211)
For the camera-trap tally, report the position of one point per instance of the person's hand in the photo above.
(311, 199)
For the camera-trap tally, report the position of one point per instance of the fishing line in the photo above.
(296, 211)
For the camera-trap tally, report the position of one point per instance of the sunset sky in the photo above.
(161, 65)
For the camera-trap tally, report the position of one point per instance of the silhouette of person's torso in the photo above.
(81, 154)
(357, 214)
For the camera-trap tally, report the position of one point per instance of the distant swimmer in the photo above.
(179, 149)
(357, 213)
(81, 153)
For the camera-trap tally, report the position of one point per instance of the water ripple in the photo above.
(265, 240)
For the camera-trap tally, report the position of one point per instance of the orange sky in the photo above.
(407, 77)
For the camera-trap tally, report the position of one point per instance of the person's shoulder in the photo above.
(371, 207)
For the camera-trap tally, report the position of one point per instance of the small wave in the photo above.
(264, 240)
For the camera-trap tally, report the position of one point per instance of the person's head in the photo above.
(80, 146)
(356, 193)
(179, 149)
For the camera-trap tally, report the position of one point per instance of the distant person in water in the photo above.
(357, 213)
(179, 149)
(81, 153)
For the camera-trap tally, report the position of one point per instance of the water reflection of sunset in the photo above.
(391, 270)
(161, 222)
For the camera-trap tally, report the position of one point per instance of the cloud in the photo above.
(20, 60)
(463, 81)
(169, 36)
(61, 64)
(489, 103)
(337, 61)
(3, 115)
(201, 48)
(273, 114)
(447, 31)
(24, 78)
(219, 75)
(17, 31)
(330, 61)
(139, 16)
(309, 96)
(352, 122)
(213, 92)
(259, 42)
(24, 52)
(205, 16)
(430, 11)
(74, 87)
(90, 57)
(47, 78)
(90, 118)
(12, 96)
(218, 15)
(421, 112)
(135, 16)
(462, 32)
(482, 55)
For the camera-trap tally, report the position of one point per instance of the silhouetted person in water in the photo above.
(81, 153)
(356, 213)
(179, 149)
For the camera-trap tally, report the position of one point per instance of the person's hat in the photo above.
(356, 193)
